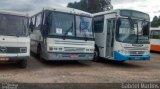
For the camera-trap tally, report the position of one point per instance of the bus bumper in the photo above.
(120, 57)
(14, 59)
(67, 56)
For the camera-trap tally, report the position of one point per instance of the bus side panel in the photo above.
(109, 28)
(36, 39)
(155, 45)
(100, 41)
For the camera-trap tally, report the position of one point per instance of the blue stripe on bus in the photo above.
(120, 57)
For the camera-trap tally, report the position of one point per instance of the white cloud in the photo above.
(31, 6)
(151, 7)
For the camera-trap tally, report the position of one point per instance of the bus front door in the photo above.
(110, 37)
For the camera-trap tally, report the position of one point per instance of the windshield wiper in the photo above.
(64, 36)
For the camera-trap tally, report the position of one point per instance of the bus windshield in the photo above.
(63, 24)
(84, 26)
(11, 25)
(132, 31)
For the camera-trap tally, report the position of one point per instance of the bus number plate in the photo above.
(4, 59)
(137, 58)
(74, 56)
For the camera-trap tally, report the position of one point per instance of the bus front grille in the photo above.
(11, 50)
(69, 49)
(136, 52)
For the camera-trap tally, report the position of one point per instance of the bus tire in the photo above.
(39, 53)
(22, 64)
(96, 55)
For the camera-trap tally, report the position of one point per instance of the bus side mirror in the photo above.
(31, 27)
(44, 29)
(146, 30)
(118, 22)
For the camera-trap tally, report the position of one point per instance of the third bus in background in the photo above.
(122, 35)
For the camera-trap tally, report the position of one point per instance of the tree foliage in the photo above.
(92, 6)
(155, 22)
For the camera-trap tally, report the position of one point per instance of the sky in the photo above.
(32, 6)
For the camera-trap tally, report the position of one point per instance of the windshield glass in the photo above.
(132, 31)
(84, 26)
(62, 24)
(13, 25)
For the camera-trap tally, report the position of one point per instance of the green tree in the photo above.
(155, 22)
(92, 6)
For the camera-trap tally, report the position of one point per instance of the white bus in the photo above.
(14, 38)
(122, 35)
(155, 39)
(62, 34)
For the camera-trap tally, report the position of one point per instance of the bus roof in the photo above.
(105, 12)
(114, 11)
(12, 13)
(68, 10)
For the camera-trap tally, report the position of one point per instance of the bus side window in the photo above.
(108, 27)
(151, 34)
(38, 22)
(118, 24)
(155, 34)
(98, 24)
(113, 32)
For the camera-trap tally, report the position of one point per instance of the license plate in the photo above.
(4, 59)
(137, 58)
(74, 56)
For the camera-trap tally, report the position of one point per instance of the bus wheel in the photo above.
(96, 55)
(39, 53)
(22, 63)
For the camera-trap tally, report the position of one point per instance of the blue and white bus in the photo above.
(122, 35)
(62, 33)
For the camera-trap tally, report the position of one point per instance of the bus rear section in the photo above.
(14, 39)
(68, 35)
(122, 35)
(155, 39)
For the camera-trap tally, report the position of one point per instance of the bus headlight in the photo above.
(92, 50)
(146, 53)
(124, 52)
(23, 50)
(89, 50)
(127, 53)
(50, 48)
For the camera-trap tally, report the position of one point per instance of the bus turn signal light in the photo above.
(50, 48)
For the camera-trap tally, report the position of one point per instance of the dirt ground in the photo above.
(83, 71)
